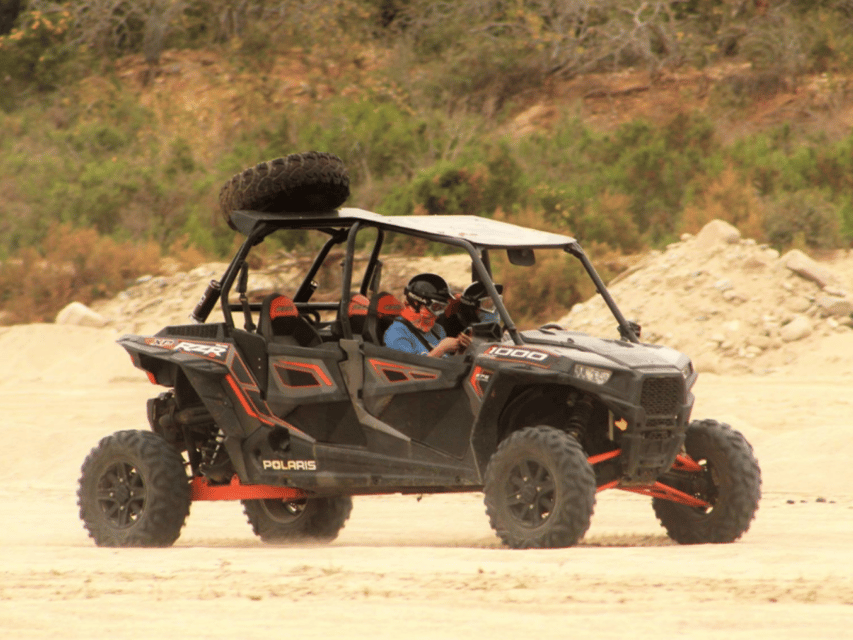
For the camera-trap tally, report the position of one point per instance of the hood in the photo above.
(601, 352)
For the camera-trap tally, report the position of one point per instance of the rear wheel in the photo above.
(134, 491)
(298, 183)
(729, 481)
(539, 489)
(318, 519)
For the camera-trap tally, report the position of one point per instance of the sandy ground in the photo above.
(404, 568)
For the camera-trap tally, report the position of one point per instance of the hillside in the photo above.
(135, 148)
(204, 93)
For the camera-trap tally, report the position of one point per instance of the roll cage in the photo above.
(477, 236)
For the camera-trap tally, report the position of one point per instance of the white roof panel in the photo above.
(483, 232)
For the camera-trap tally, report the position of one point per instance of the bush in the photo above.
(72, 264)
(444, 188)
(37, 50)
(728, 197)
(654, 167)
(803, 220)
(477, 184)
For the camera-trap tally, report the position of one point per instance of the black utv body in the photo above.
(301, 406)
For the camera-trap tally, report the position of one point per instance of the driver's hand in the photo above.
(451, 345)
(463, 341)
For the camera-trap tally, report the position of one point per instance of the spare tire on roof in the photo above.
(301, 182)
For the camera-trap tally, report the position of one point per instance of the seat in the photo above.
(383, 309)
(280, 322)
(357, 313)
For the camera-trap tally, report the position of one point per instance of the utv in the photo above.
(303, 407)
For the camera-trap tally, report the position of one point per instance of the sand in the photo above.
(409, 568)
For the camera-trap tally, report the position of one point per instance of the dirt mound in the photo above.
(733, 305)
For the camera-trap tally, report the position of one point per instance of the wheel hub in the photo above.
(528, 493)
(530, 496)
(122, 494)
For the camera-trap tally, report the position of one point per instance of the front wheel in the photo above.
(729, 481)
(315, 519)
(539, 489)
(134, 491)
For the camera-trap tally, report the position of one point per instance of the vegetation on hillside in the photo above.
(418, 97)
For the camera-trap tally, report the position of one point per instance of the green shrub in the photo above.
(803, 219)
(845, 213)
(477, 184)
(654, 168)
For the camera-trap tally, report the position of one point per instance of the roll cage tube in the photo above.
(307, 288)
(255, 237)
(258, 233)
(372, 263)
(486, 278)
(625, 328)
(346, 275)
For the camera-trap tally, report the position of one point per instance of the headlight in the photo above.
(592, 374)
(687, 370)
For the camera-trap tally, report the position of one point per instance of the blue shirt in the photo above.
(488, 316)
(400, 337)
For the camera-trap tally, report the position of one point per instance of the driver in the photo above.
(415, 330)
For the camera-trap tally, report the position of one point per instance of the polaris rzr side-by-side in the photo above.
(292, 403)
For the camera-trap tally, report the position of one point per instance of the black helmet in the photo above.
(476, 291)
(427, 289)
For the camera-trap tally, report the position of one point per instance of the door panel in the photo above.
(420, 396)
(306, 387)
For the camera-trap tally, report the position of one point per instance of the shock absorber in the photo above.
(581, 412)
(215, 463)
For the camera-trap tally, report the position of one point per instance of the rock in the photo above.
(797, 304)
(755, 263)
(759, 341)
(832, 306)
(77, 313)
(717, 232)
(802, 265)
(800, 327)
(835, 291)
(723, 284)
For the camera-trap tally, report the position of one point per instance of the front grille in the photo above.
(662, 396)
